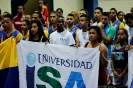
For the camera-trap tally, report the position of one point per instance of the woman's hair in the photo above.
(60, 10)
(98, 32)
(27, 21)
(125, 31)
(119, 13)
(76, 16)
(40, 30)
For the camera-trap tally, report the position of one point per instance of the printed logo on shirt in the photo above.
(86, 38)
(18, 22)
(62, 39)
(118, 55)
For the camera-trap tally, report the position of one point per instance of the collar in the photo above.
(9, 33)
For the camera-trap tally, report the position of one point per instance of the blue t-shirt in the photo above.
(73, 31)
(78, 26)
(116, 25)
(50, 30)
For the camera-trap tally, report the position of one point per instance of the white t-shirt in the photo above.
(62, 38)
(97, 24)
(130, 33)
(83, 37)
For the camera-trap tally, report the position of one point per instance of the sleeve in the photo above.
(71, 40)
(19, 37)
(76, 37)
(45, 13)
(50, 39)
(121, 25)
(112, 32)
(46, 33)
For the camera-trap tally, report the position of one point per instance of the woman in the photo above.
(120, 16)
(95, 42)
(36, 32)
(119, 62)
(76, 19)
(25, 28)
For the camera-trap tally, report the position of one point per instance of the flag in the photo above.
(9, 76)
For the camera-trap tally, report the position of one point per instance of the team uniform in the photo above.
(26, 36)
(45, 30)
(63, 38)
(120, 61)
(74, 31)
(15, 33)
(78, 26)
(50, 30)
(18, 22)
(118, 25)
(83, 37)
(44, 13)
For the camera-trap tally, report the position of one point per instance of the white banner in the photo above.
(54, 66)
(130, 69)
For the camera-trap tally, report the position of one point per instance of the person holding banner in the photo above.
(119, 61)
(96, 42)
(9, 30)
(61, 36)
(36, 32)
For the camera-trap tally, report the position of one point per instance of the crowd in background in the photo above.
(111, 32)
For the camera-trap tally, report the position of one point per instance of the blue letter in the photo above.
(75, 76)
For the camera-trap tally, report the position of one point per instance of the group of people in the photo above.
(111, 32)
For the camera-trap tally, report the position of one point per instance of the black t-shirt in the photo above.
(42, 39)
(120, 58)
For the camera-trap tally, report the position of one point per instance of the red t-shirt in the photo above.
(18, 22)
(44, 13)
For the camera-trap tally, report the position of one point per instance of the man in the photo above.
(108, 33)
(83, 35)
(129, 26)
(38, 16)
(98, 15)
(9, 30)
(44, 11)
(83, 11)
(70, 25)
(115, 22)
(18, 18)
(53, 18)
(61, 36)
(28, 17)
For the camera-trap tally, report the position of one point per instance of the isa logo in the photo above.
(30, 69)
(131, 86)
(31, 59)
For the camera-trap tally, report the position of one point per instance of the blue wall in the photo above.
(90, 5)
(15, 4)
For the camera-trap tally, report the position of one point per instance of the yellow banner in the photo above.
(8, 54)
